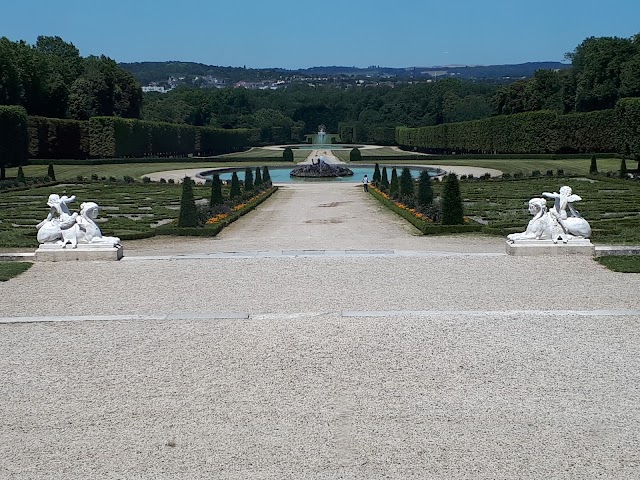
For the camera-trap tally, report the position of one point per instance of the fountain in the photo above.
(321, 169)
(322, 137)
(322, 134)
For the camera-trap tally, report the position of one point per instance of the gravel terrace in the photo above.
(320, 337)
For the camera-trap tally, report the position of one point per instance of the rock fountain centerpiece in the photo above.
(71, 236)
(320, 168)
(560, 230)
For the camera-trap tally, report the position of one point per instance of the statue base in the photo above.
(56, 253)
(548, 248)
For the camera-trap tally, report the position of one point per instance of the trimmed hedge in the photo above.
(14, 140)
(123, 137)
(362, 133)
(628, 118)
(54, 138)
(542, 132)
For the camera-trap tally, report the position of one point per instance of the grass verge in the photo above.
(9, 270)
(621, 263)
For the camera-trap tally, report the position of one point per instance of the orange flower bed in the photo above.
(217, 218)
(402, 206)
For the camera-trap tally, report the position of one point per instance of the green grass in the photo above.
(136, 170)
(622, 263)
(9, 270)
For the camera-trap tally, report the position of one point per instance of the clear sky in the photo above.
(300, 34)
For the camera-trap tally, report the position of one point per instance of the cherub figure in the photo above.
(566, 215)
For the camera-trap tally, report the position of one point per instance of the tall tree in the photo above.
(425, 190)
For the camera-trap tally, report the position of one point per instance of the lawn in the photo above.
(9, 270)
(623, 264)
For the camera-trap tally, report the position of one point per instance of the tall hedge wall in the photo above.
(57, 138)
(628, 119)
(362, 133)
(531, 132)
(14, 139)
(123, 137)
(210, 141)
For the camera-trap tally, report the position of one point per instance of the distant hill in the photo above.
(210, 75)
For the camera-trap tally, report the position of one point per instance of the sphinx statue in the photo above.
(561, 222)
(61, 227)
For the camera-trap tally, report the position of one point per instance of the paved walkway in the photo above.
(320, 337)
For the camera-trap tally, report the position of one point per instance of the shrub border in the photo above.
(425, 227)
(213, 230)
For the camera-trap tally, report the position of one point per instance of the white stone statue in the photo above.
(62, 227)
(554, 224)
(59, 226)
(572, 222)
(88, 230)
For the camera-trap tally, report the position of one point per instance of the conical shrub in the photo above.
(257, 182)
(248, 180)
(376, 174)
(188, 214)
(593, 168)
(287, 154)
(384, 181)
(20, 178)
(235, 187)
(623, 168)
(50, 172)
(425, 191)
(406, 184)
(394, 187)
(216, 192)
(266, 176)
(452, 212)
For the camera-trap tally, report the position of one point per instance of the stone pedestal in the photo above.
(548, 248)
(55, 253)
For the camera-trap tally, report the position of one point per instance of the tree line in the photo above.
(51, 79)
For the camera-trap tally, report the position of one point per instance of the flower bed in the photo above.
(216, 223)
(419, 220)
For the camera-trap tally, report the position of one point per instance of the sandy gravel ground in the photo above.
(443, 358)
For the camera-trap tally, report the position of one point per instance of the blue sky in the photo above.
(299, 34)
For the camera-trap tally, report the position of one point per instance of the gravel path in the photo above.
(454, 361)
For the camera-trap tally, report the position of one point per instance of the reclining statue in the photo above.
(554, 224)
(61, 227)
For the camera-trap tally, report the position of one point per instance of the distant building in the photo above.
(152, 88)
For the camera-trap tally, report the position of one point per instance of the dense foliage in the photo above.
(13, 138)
(51, 79)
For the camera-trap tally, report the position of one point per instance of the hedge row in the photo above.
(628, 119)
(13, 137)
(54, 138)
(362, 133)
(426, 228)
(122, 137)
(543, 132)
(25, 137)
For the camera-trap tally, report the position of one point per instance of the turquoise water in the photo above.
(281, 174)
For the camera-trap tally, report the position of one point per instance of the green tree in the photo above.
(235, 186)
(287, 154)
(20, 177)
(51, 173)
(257, 182)
(216, 192)
(623, 167)
(355, 155)
(384, 180)
(248, 180)
(266, 176)
(188, 216)
(593, 168)
(394, 187)
(425, 190)
(376, 175)
(406, 184)
(452, 211)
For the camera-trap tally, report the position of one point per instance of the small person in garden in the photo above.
(365, 183)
